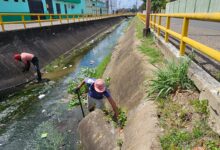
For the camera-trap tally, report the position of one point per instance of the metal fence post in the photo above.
(73, 18)
(155, 18)
(51, 20)
(39, 21)
(2, 24)
(67, 18)
(60, 17)
(23, 21)
(184, 34)
(158, 28)
(167, 28)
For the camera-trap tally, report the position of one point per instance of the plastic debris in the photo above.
(70, 65)
(55, 66)
(41, 96)
(43, 111)
(44, 135)
(91, 62)
(64, 68)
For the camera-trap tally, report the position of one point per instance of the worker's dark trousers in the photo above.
(35, 62)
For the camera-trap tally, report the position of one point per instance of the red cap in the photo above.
(17, 57)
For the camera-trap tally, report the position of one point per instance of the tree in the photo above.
(156, 5)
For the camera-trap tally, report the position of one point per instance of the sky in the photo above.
(128, 3)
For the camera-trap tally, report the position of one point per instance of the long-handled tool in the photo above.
(80, 103)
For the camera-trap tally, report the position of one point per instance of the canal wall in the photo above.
(47, 43)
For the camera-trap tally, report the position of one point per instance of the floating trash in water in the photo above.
(51, 83)
(41, 96)
(64, 68)
(43, 111)
(70, 65)
(0, 144)
(91, 62)
(55, 66)
(44, 135)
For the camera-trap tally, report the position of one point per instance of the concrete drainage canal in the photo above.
(45, 122)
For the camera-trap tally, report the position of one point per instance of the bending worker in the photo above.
(27, 59)
(96, 93)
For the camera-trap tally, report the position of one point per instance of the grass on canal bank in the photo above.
(182, 116)
(147, 45)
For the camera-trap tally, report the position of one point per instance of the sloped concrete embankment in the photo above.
(47, 43)
(128, 70)
(208, 86)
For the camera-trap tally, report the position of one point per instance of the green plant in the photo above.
(147, 45)
(107, 81)
(121, 120)
(75, 101)
(102, 66)
(201, 106)
(175, 139)
(156, 5)
(56, 64)
(197, 132)
(86, 73)
(212, 145)
(119, 143)
(218, 76)
(170, 79)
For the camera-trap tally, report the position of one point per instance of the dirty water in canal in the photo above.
(47, 123)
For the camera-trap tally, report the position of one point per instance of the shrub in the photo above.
(201, 106)
(175, 140)
(170, 79)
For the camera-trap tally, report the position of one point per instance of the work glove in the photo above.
(76, 90)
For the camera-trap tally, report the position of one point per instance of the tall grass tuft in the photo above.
(170, 79)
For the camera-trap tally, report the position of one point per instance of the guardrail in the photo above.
(50, 18)
(155, 23)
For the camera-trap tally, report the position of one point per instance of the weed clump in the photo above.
(122, 118)
(170, 79)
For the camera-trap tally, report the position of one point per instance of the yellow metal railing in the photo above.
(50, 18)
(155, 23)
